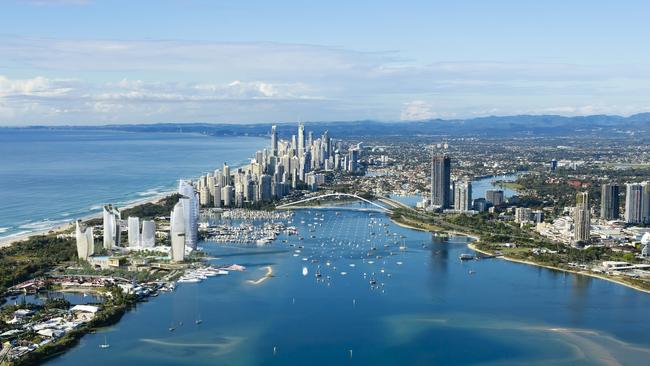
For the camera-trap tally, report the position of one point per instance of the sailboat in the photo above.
(105, 344)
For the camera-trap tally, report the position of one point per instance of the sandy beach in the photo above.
(269, 274)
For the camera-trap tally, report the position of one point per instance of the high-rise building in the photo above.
(353, 160)
(274, 141)
(495, 196)
(522, 214)
(634, 206)
(301, 139)
(177, 232)
(148, 237)
(480, 204)
(226, 179)
(134, 232)
(216, 199)
(582, 218)
(609, 204)
(204, 196)
(463, 196)
(111, 217)
(264, 188)
(85, 241)
(440, 181)
(227, 195)
(191, 214)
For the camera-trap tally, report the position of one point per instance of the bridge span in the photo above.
(385, 200)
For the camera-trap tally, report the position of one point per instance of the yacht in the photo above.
(466, 257)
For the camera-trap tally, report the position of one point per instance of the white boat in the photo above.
(189, 280)
(105, 344)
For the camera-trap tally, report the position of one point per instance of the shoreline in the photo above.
(11, 239)
(63, 227)
(472, 245)
(451, 232)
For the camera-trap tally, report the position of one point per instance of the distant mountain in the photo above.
(521, 125)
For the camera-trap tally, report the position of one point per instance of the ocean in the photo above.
(49, 177)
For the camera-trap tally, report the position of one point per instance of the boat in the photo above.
(465, 257)
(189, 280)
(105, 344)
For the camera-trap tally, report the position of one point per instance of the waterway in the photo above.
(426, 308)
(479, 186)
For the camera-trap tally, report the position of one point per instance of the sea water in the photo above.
(53, 176)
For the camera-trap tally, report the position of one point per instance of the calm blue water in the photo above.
(429, 311)
(479, 186)
(48, 177)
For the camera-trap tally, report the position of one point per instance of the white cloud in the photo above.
(160, 80)
(38, 86)
(417, 110)
(43, 100)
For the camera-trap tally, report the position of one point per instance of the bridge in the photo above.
(387, 201)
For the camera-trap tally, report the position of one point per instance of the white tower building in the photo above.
(134, 232)
(111, 218)
(148, 238)
(85, 241)
(191, 212)
(177, 233)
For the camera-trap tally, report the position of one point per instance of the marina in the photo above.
(402, 296)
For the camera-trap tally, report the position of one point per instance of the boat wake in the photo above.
(220, 346)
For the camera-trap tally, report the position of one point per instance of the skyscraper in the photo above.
(134, 232)
(227, 193)
(582, 218)
(301, 139)
(440, 181)
(264, 188)
(85, 240)
(274, 140)
(191, 213)
(148, 237)
(177, 232)
(463, 196)
(634, 207)
(609, 204)
(111, 216)
(495, 196)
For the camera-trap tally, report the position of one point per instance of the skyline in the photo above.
(94, 62)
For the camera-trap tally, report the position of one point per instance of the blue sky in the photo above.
(95, 62)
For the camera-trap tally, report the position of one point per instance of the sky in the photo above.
(86, 62)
